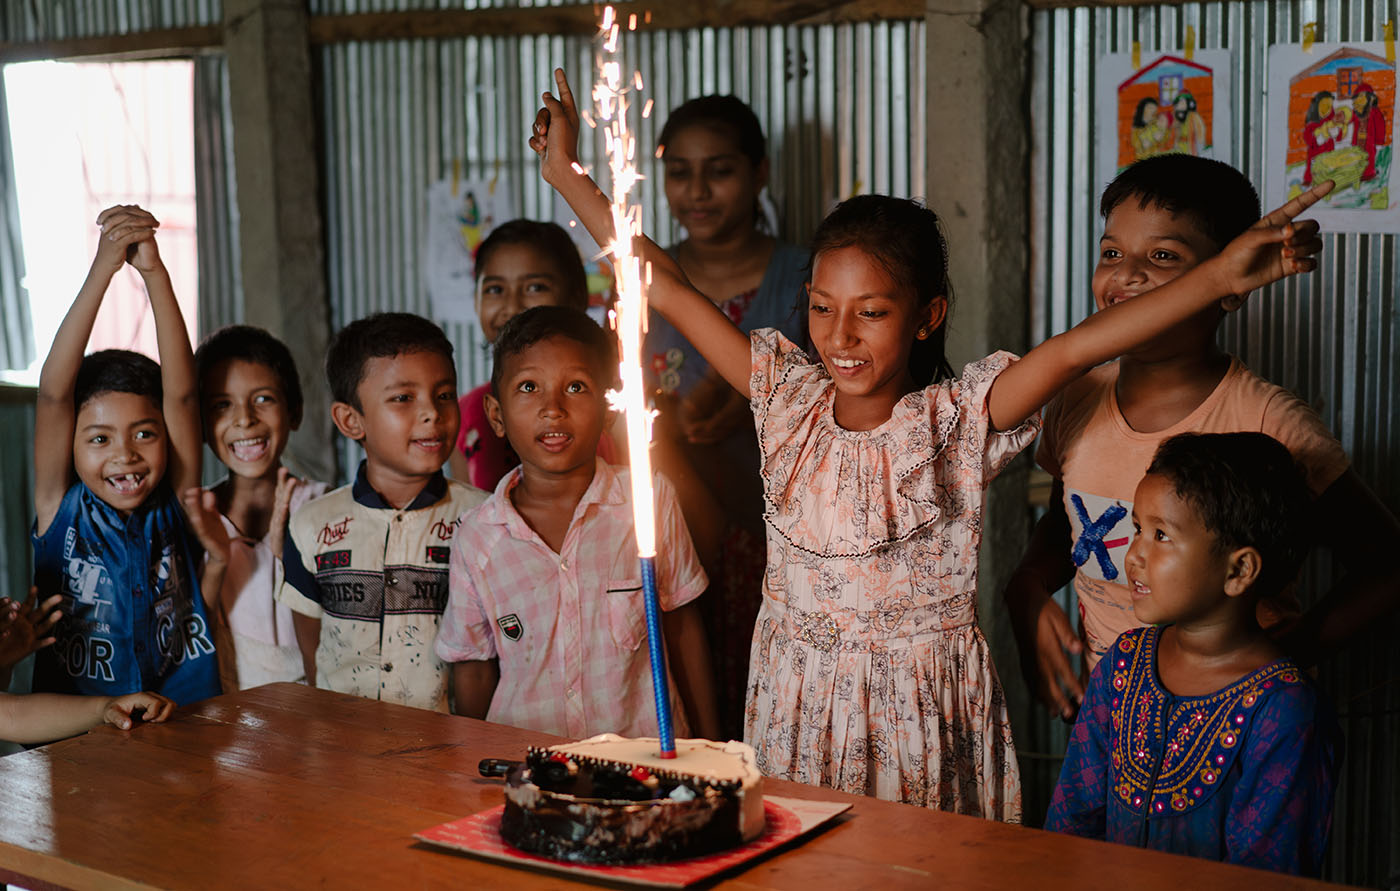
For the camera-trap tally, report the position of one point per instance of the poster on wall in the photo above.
(1166, 104)
(461, 212)
(1331, 116)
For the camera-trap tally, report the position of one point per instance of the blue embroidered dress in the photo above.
(1243, 775)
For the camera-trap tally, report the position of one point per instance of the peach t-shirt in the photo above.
(1089, 446)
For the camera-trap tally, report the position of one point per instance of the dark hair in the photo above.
(728, 112)
(117, 371)
(382, 335)
(1141, 106)
(1314, 115)
(1248, 491)
(543, 322)
(1217, 197)
(251, 344)
(1190, 100)
(554, 242)
(905, 238)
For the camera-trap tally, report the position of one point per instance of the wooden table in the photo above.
(286, 786)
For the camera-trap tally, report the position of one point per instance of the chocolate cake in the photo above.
(609, 799)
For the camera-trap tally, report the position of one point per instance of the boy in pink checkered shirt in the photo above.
(545, 626)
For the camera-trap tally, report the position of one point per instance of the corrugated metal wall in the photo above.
(34, 20)
(1330, 337)
(839, 103)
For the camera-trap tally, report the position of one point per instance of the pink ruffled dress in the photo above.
(869, 672)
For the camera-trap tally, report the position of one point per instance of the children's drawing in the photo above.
(1170, 105)
(1331, 111)
(460, 214)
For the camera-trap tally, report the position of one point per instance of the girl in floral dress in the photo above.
(869, 673)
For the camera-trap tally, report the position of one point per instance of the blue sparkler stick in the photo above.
(658, 659)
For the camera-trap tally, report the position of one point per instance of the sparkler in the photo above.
(611, 101)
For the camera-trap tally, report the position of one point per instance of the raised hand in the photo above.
(554, 136)
(128, 235)
(1274, 248)
(206, 524)
(154, 709)
(281, 510)
(25, 627)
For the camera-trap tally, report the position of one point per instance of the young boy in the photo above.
(1164, 216)
(545, 622)
(1198, 736)
(116, 437)
(366, 564)
(251, 401)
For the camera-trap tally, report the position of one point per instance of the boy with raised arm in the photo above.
(116, 437)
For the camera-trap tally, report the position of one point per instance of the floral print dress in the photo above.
(869, 673)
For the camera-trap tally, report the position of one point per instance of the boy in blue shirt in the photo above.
(116, 437)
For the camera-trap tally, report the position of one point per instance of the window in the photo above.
(86, 136)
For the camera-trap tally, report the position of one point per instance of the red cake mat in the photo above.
(480, 836)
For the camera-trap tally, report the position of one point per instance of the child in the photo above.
(1197, 736)
(366, 564)
(715, 159)
(116, 437)
(251, 401)
(869, 673)
(521, 264)
(1164, 217)
(545, 623)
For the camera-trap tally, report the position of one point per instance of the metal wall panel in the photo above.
(840, 104)
(1330, 337)
(35, 20)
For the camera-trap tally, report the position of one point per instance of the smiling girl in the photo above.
(251, 402)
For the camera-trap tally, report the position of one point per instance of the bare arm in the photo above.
(689, 659)
(699, 321)
(54, 412)
(1044, 637)
(473, 685)
(178, 381)
(42, 717)
(24, 629)
(308, 632)
(1274, 248)
(1354, 523)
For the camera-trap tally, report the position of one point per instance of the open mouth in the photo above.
(429, 445)
(555, 441)
(1139, 589)
(848, 366)
(252, 449)
(126, 483)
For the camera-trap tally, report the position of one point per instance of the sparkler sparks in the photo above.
(612, 98)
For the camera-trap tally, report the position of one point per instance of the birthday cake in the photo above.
(610, 799)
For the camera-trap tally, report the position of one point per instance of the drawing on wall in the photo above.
(460, 214)
(1335, 108)
(1169, 105)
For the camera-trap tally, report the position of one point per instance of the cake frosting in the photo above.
(611, 799)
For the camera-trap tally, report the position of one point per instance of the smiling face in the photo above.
(551, 405)
(119, 448)
(408, 416)
(514, 278)
(712, 187)
(246, 418)
(863, 326)
(1176, 570)
(1144, 248)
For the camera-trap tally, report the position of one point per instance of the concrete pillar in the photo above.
(282, 260)
(979, 184)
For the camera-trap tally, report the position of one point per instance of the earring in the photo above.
(922, 333)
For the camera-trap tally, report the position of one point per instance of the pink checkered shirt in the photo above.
(569, 628)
